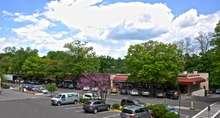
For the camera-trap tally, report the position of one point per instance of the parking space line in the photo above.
(215, 115)
(79, 111)
(112, 116)
(74, 105)
(80, 107)
(195, 116)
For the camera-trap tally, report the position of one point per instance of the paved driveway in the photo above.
(8, 94)
(41, 108)
(20, 105)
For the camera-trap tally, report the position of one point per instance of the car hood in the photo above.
(56, 99)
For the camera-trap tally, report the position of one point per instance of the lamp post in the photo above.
(179, 99)
(0, 85)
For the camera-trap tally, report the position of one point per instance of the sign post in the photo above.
(209, 108)
(0, 85)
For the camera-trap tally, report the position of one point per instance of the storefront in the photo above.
(118, 81)
(191, 82)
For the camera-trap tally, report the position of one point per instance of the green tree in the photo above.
(19, 58)
(216, 61)
(51, 87)
(154, 62)
(34, 66)
(81, 58)
(111, 65)
(13, 59)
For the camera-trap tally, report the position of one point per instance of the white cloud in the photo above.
(95, 21)
(110, 28)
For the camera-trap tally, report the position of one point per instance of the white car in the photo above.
(90, 96)
(145, 93)
(217, 91)
(134, 92)
(44, 91)
(95, 89)
(86, 88)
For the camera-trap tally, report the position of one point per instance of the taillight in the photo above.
(176, 93)
(132, 116)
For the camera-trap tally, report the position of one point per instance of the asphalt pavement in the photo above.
(21, 105)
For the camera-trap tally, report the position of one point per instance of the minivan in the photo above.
(65, 98)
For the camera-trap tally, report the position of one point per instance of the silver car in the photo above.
(135, 112)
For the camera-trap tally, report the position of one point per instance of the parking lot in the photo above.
(40, 107)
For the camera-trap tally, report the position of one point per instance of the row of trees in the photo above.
(150, 62)
(78, 59)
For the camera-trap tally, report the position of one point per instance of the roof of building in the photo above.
(120, 77)
(190, 79)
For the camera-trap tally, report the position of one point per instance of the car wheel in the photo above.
(95, 111)
(75, 102)
(58, 103)
(108, 108)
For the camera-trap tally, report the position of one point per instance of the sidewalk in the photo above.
(212, 113)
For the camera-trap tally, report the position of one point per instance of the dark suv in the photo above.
(95, 106)
(172, 94)
(129, 102)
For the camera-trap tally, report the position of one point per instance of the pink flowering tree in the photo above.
(101, 81)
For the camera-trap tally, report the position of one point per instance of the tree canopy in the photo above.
(154, 62)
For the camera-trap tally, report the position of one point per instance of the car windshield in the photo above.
(58, 96)
(88, 103)
(88, 95)
(127, 111)
(137, 102)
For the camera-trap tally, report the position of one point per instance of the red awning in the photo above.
(120, 78)
(190, 80)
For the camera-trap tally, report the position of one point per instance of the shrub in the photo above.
(5, 86)
(170, 115)
(81, 100)
(158, 110)
(116, 106)
(51, 87)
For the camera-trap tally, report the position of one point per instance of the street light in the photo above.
(179, 99)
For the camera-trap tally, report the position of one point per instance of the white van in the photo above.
(91, 96)
(65, 98)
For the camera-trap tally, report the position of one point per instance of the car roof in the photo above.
(69, 93)
(130, 99)
(133, 107)
(95, 100)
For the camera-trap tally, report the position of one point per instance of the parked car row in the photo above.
(87, 88)
(172, 94)
(131, 108)
(35, 88)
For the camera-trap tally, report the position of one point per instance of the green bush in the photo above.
(81, 100)
(5, 86)
(51, 87)
(158, 110)
(116, 106)
(170, 115)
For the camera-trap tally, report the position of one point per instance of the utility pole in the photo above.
(179, 100)
(209, 108)
(0, 85)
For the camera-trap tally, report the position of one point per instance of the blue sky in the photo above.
(177, 6)
(110, 26)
